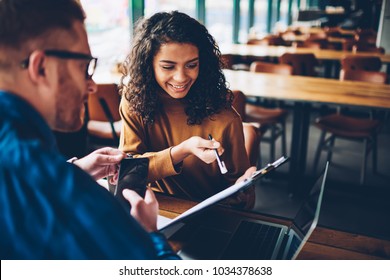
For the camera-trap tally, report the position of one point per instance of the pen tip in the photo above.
(223, 168)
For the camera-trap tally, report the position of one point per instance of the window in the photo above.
(244, 21)
(154, 6)
(219, 20)
(261, 13)
(108, 31)
(282, 24)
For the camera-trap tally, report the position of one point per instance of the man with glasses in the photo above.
(90, 65)
(51, 209)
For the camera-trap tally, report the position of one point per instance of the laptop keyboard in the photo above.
(252, 241)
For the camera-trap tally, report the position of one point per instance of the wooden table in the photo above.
(332, 57)
(304, 91)
(324, 243)
(309, 89)
(277, 51)
(321, 29)
(315, 30)
(303, 37)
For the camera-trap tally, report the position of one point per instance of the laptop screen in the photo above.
(307, 217)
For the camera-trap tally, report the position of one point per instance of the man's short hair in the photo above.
(23, 20)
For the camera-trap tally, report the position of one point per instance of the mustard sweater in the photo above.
(194, 179)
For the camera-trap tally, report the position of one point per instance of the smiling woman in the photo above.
(176, 68)
(176, 96)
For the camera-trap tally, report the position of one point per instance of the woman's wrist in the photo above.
(180, 152)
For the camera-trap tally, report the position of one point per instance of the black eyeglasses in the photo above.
(91, 66)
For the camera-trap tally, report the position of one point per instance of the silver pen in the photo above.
(270, 166)
(221, 164)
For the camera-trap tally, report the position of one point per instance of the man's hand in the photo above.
(145, 211)
(101, 163)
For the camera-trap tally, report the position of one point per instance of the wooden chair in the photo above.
(363, 76)
(348, 44)
(364, 47)
(319, 35)
(270, 40)
(351, 128)
(251, 134)
(336, 32)
(367, 63)
(366, 35)
(234, 62)
(313, 44)
(303, 63)
(104, 121)
(256, 42)
(227, 61)
(265, 67)
(264, 118)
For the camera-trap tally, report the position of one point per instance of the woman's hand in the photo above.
(197, 146)
(247, 198)
(248, 173)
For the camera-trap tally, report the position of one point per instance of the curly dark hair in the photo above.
(208, 95)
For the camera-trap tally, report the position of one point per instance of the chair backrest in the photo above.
(363, 76)
(347, 44)
(313, 44)
(302, 63)
(318, 35)
(256, 42)
(364, 47)
(291, 32)
(334, 33)
(366, 35)
(367, 63)
(275, 40)
(227, 61)
(251, 133)
(337, 33)
(239, 102)
(106, 94)
(265, 67)
(319, 43)
(270, 40)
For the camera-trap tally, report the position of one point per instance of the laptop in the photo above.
(223, 233)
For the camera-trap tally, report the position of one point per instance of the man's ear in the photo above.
(37, 66)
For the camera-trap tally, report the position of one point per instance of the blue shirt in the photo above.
(51, 209)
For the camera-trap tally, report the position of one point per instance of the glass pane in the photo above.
(153, 6)
(219, 20)
(294, 10)
(108, 31)
(260, 27)
(244, 21)
(282, 24)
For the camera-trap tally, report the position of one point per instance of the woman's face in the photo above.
(176, 68)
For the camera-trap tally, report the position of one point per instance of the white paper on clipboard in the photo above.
(225, 193)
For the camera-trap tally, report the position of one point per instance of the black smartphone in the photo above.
(133, 173)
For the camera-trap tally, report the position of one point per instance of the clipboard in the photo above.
(226, 192)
